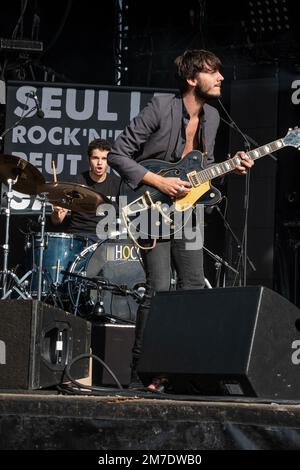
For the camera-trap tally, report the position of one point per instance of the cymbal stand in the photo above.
(41, 242)
(9, 196)
(18, 287)
(78, 298)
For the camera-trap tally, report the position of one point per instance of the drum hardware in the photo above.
(18, 285)
(82, 288)
(5, 273)
(58, 268)
(21, 285)
(54, 294)
(43, 277)
(19, 175)
(73, 196)
(26, 178)
(23, 177)
(42, 246)
(60, 249)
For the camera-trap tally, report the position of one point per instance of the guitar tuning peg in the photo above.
(290, 129)
(296, 127)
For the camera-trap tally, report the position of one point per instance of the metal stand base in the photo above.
(17, 285)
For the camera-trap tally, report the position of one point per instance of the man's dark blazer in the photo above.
(154, 133)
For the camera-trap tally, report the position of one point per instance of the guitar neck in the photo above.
(220, 169)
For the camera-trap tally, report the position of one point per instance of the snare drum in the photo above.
(114, 261)
(60, 251)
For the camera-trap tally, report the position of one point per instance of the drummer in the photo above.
(96, 178)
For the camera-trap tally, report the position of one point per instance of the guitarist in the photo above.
(168, 128)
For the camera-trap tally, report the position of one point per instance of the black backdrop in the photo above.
(76, 113)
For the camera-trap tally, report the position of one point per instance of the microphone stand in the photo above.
(218, 262)
(41, 244)
(101, 285)
(6, 131)
(244, 245)
(237, 240)
(250, 139)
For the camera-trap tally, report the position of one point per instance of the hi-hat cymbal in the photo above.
(73, 196)
(28, 176)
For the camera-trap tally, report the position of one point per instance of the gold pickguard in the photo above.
(187, 201)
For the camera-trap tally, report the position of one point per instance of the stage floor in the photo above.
(125, 420)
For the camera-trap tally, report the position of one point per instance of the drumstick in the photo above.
(54, 172)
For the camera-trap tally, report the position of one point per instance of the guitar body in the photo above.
(151, 213)
(204, 194)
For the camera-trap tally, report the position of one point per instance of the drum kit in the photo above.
(64, 266)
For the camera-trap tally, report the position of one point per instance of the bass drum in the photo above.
(115, 263)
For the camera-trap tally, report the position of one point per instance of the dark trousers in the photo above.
(158, 261)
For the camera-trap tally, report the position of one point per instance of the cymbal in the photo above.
(29, 177)
(73, 196)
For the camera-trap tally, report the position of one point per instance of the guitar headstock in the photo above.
(292, 138)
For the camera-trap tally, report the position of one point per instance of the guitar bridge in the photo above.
(139, 205)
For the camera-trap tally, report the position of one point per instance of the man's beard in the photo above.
(203, 95)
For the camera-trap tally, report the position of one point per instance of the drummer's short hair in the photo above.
(99, 144)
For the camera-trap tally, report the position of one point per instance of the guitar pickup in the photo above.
(193, 178)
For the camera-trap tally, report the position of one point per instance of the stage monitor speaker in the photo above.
(37, 341)
(113, 344)
(230, 341)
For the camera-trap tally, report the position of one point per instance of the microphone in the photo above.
(40, 113)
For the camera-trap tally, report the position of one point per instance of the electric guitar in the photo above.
(151, 213)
